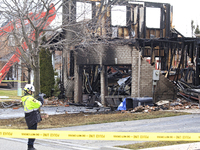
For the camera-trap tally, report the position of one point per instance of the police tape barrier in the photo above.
(93, 135)
(13, 81)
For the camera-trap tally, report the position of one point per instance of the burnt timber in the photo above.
(92, 70)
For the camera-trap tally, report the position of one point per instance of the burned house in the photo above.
(109, 62)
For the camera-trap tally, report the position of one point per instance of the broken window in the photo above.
(91, 79)
(118, 15)
(119, 80)
(153, 17)
(91, 83)
(83, 11)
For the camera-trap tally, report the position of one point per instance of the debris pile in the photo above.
(10, 103)
(54, 101)
(178, 104)
(187, 91)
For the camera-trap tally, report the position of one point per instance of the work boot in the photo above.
(30, 147)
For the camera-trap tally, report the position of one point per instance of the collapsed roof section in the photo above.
(145, 25)
(128, 19)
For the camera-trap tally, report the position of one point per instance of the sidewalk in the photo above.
(189, 146)
(21, 144)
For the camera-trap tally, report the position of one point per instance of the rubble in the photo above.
(178, 104)
(188, 91)
(55, 102)
(9, 103)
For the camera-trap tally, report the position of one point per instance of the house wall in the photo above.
(165, 89)
(142, 71)
(146, 78)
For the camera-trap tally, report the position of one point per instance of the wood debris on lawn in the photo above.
(178, 104)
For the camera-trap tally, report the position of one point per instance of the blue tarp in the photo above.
(122, 105)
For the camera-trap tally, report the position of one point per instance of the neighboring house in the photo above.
(6, 52)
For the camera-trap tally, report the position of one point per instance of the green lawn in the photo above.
(144, 145)
(12, 94)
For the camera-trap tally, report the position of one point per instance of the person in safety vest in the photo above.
(31, 110)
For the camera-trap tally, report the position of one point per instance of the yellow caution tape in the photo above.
(93, 135)
(13, 81)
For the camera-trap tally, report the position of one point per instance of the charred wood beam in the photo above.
(165, 40)
(172, 55)
(167, 20)
(100, 10)
(166, 56)
(102, 13)
(138, 20)
(128, 20)
(197, 65)
(160, 47)
(151, 4)
(144, 26)
(178, 32)
(162, 22)
(143, 48)
(187, 54)
(152, 54)
(192, 49)
(182, 55)
(108, 22)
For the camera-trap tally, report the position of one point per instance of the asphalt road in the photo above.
(182, 124)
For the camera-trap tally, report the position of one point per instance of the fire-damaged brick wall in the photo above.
(146, 72)
(142, 71)
(111, 55)
(118, 55)
(164, 88)
(134, 83)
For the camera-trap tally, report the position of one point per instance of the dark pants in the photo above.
(31, 141)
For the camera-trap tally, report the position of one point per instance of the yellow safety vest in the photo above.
(30, 103)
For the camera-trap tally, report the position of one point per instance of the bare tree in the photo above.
(85, 23)
(26, 22)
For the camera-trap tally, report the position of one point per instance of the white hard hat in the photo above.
(29, 87)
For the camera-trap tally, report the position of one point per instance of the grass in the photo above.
(67, 120)
(12, 94)
(144, 145)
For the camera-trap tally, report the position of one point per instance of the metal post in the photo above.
(32, 77)
(139, 69)
(19, 89)
(53, 60)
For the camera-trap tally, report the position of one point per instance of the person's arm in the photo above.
(35, 104)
